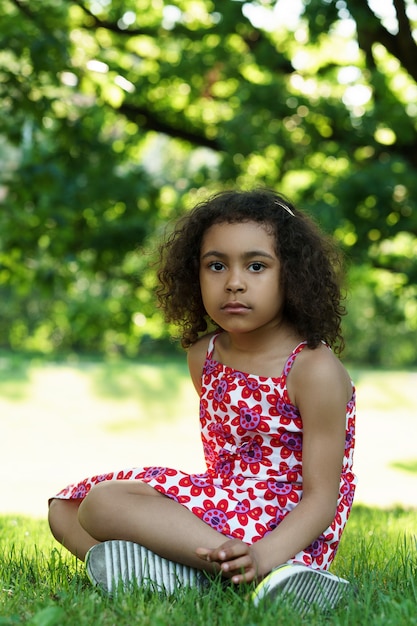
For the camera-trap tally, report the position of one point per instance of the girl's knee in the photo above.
(61, 514)
(55, 510)
(52, 510)
(92, 509)
(98, 495)
(99, 512)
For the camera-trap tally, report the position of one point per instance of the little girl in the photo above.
(277, 413)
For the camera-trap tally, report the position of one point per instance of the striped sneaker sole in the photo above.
(304, 586)
(112, 565)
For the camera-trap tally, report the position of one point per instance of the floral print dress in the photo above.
(252, 439)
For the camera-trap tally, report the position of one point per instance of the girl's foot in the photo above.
(114, 565)
(305, 587)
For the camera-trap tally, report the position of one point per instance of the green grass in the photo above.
(41, 585)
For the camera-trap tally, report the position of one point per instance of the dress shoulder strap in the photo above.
(210, 347)
(290, 361)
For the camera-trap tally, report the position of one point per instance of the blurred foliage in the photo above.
(117, 116)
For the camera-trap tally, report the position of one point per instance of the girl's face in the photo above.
(240, 277)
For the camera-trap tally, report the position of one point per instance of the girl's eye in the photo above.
(256, 266)
(216, 266)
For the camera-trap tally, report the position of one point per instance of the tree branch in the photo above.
(147, 120)
(405, 37)
(113, 27)
(371, 31)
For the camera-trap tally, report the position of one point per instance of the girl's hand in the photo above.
(234, 559)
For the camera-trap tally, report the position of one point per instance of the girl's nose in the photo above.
(235, 283)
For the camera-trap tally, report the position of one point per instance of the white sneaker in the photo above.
(303, 585)
(114, 564)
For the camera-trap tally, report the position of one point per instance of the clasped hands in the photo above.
(234, 559)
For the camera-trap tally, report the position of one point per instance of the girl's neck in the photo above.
(262, 353)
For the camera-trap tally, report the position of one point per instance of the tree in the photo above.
(117, 115)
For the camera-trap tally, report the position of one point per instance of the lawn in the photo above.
(42, 586)
(88, 406)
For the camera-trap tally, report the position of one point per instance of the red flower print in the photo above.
(295, 475)
(220, 390)
(156, 473)
(215, 516)
(80, 491)
(274, 516)
(285, 473)
(209, 367)
(124, 476)
(248, 418)
(282, 407)
(218, 430)
(204, 414)
(317, 550)
(285, 493)
(199, 484)
(209, 453)
(219, 394)
(174, 493)
(251, 387)
(261, 530)
(291, 444)
(350, 436)
(238, 533)
(244, 512)
(253, 454)
(347, 489)
(338, 517)
(305, 559)
(225, 461)
(239, 481)
(101, 478)
(277, 519)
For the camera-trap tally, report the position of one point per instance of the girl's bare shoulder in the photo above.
(320, 369)
(196, 356)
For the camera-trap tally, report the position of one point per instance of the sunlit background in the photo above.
(115, 118)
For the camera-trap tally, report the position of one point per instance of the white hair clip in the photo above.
(283, 206)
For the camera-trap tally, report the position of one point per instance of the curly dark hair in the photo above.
(311, 266)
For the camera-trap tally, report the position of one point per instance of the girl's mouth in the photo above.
(235, 307)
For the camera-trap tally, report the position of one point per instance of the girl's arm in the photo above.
(320, 387)
(196, 357)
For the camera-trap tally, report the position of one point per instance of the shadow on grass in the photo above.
(161, 388)
(146, 380)
(14, 376)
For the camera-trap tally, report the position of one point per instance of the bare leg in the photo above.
(134, 511)
(65, 527)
